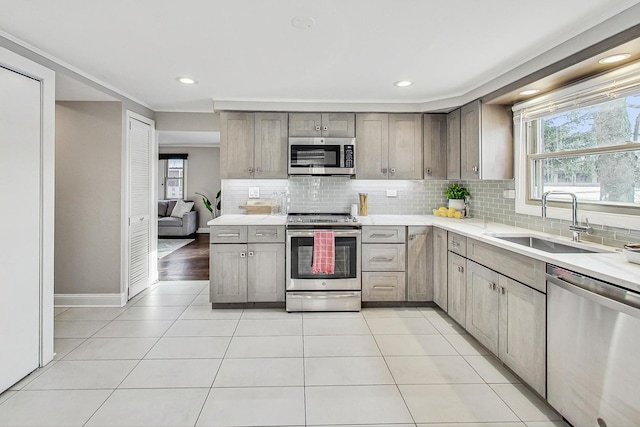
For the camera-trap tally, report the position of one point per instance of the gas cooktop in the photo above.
(322, 219)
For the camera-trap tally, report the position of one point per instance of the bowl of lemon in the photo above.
(448, 212)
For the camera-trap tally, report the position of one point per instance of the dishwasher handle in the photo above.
(599, 292)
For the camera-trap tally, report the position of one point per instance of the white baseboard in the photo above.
(90, 300)
(203, 230)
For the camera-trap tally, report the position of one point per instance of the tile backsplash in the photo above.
(336, 194)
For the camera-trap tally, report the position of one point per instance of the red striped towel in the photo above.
(323, 252)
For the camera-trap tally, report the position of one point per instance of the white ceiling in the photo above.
(247, 50)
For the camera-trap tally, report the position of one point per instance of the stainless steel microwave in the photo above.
(322, 156)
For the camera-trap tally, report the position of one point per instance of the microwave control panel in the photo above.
(348, 156)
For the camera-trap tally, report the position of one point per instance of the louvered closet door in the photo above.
(20, 225)
(139, 205)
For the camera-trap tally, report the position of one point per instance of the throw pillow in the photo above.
(162, 207)
(172, 204)
(181, 208)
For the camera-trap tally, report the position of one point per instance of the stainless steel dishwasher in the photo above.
(593, 350)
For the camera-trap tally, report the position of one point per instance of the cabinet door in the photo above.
(483, 305)
(265, 271)
(522, 332)
(435, 146)
(338, 125)
(470, 141)
(405, 146)
(383, 234)
(453, 144)
(440, 267)
(271, 145)
(236, 145)
(305, 124)
(383, 286)
(420, 264)
(372, 150)
(383, 257)
(456, 288)
(228, 273)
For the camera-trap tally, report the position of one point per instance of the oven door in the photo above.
(346, 274)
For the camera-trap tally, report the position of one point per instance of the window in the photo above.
(174, 179)
(582, 139)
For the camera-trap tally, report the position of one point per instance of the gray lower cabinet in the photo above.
(252, 269)
(228, 273)
(383, 286)
(508, 318)
(384, 263)
(440, 267)
(456, 288)
(419, 263)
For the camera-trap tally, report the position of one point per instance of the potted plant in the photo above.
(456, 195)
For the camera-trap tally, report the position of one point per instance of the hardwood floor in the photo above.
(190, 262)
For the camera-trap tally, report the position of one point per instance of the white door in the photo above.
(139, 239)
(20, 225)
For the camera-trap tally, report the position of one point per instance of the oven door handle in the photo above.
(300, 233)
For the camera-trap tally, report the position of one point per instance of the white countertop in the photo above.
(611, 267)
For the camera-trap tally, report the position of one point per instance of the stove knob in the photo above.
(355, 219)
(299, 219)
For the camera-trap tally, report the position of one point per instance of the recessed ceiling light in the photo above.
(187, 80)
(302, 22)
(403, 83)
(615, 58)
(529, 92)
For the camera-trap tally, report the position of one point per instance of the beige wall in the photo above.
(88, 197)
(203, 176)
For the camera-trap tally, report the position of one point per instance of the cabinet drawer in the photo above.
(457, 243)
(526, 270)
(265, 233)
(383, 257)
(228, 234)
(374, 234)
(387, 286)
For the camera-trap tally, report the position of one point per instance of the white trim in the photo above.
(153, 208)
(91, 300)
(203, 230)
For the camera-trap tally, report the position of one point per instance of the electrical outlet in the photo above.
(254, 192)
(392, 193)
(508, 194)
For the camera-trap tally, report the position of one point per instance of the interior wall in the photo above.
(188, 121)
(203, 176)
(88, 197)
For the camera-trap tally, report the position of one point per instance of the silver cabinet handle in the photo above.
(265, 234)
(257, 170)
(384, 287)
(412, 236)
(455, 244)
(325, 127)
(428, 171)
(492, 286)
(250, 253)
(460, 269)
(141, 218)
(392, 171)
(229, 235)
(384, 170)
(243, 254)
(501, 290)
(376, 235)
(318, 127)
(475, 169)
(381, 258)
(250, 170)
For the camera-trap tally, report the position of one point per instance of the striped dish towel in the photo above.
(323, 252)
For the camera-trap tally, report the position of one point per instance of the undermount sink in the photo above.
(548, 244)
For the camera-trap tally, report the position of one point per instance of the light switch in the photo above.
(254, 192)
(392, 193)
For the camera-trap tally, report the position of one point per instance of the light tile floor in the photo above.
(168, 359)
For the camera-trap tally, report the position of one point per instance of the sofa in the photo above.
(182, 222)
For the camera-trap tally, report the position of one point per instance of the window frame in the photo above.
(183, 178)
(526, 117)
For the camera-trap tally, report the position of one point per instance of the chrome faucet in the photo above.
(575, 227)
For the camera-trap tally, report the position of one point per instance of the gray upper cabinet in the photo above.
(435, 146)
(330, 125)
(405, 146)
(236, 145)
(253, 145)
(486, 142)
(440, 267)
(453, 144)
(389, 146)
(270, 149)
(419, 263)
(372, 151)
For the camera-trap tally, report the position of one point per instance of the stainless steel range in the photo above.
(309, 291)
